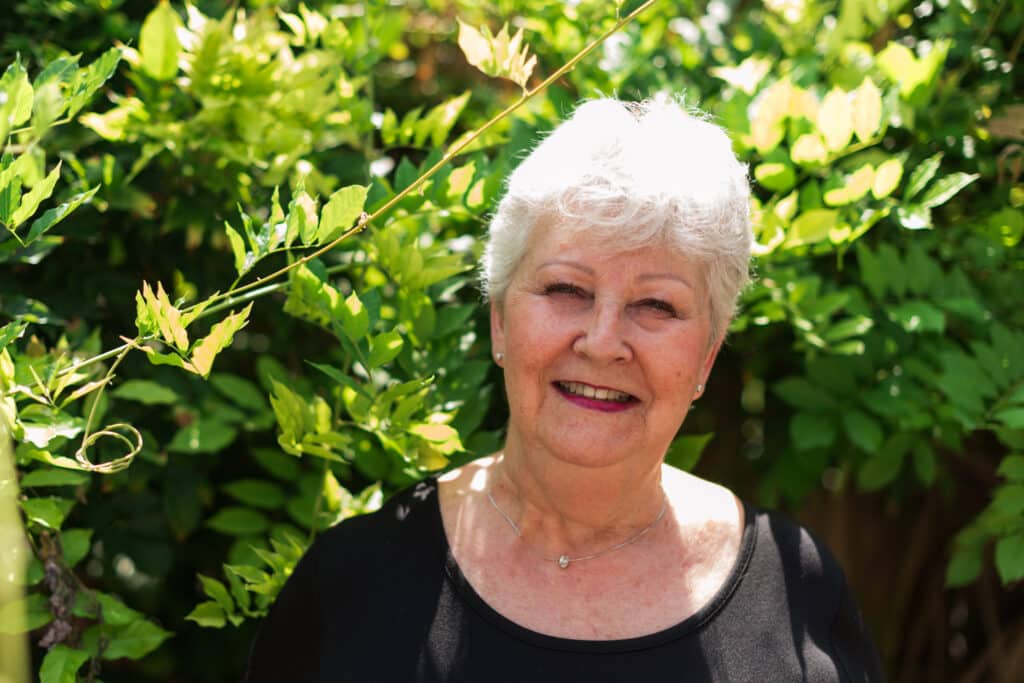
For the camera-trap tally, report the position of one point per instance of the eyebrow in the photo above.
(646, 277)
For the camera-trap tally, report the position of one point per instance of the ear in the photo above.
(497, 327)
(709, 360)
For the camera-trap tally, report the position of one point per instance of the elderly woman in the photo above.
(612, 266)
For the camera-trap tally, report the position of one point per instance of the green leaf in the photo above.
(862, 430)
(134, 640)
(202, 435)
(943, 189)
(812, 226)
(340, 212)
(88, 80)
(918, 316)
(146, 391)
(775, 175)
(208, 614)
(238, 521)
(239, 391)
(384, 347)
(219, 592)
(1011, 417)
(52, 217)
(47, 512)
(921, 175)
(159, 46)
(31, 200)
(684, 452)
(61, 664)
(848, 327)
(243, 260)
(17, 101)
(1012, 467)
(809, 431)
(42, 478)
(220, 338)
(965, 565)
(355, 321)
(256, 492)
(1010, 558)
(799, 393)
(75, 543)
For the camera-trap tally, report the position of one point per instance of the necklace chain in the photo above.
(564, 560)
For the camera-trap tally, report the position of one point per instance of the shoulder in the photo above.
(406, 524)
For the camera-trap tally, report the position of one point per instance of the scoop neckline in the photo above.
(690, 624)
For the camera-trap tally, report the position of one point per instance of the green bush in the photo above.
(239, 301)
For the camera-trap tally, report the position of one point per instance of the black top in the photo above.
(380, 599)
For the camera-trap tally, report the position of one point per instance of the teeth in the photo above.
(587, 391)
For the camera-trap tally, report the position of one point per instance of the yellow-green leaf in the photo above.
(17, 102)
(384, 347)
(835, 119)
(61, 664)
(341, 211)
(220, 337)
(355, 320)
(811, 227)
(497, 55)
(31, 200)
(887, 178)
(857, 185)
(809, 150)
(159, 46)
(867, 110)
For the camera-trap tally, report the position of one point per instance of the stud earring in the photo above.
(499, 356)
(700, 389)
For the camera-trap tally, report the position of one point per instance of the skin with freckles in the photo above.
(603, 352)
(636, 322)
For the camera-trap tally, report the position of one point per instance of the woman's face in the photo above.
(603, 350)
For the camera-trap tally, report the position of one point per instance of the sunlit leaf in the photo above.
(835, 119)
(887, 178)
(159, 46)
(340, 212)
(867, 110)
(30, 201)
(220, 338)
(497, 55)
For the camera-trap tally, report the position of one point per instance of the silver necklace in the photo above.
(564, 560)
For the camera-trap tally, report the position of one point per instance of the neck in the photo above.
(561, 507)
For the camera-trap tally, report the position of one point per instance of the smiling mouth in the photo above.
(594, 393)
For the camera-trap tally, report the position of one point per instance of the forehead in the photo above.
(552, 246)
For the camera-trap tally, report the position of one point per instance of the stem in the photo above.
(448, 155)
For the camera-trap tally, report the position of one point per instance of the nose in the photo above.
(603, 337)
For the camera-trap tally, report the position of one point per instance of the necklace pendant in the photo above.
(563, 561)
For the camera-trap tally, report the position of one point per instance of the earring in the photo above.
(700, 389)
(499, 356)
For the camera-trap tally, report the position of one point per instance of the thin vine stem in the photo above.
(452, 152)
(253, 290)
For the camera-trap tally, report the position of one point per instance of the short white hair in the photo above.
(634, 174)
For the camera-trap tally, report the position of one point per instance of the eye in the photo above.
(659, 306)
(564, 288)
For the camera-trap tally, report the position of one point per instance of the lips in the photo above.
(594, 393)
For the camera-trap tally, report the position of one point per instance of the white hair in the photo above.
(634, 174)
